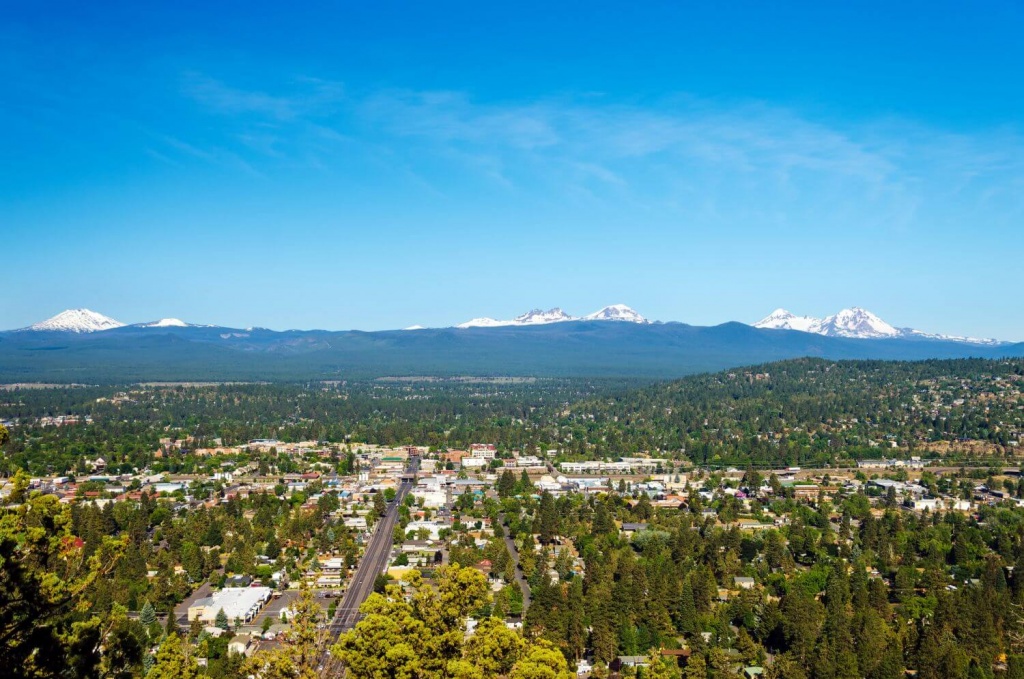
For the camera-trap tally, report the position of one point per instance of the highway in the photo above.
(375, 558)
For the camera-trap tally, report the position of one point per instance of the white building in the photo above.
(431, 499)
(594, 467)
(238, 603)
(433, 528)
(485, 451)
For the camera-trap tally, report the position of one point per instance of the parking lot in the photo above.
(277, 604)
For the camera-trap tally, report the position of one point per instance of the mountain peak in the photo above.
(77, 320)
(536, 316)
(483, 322)
(780, 313)
(853, 322)
(781, 319)
(167, 323)
(616, 312)
(856, 322)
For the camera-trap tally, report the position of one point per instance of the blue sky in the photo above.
(376, 165)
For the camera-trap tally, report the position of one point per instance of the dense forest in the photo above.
(848, 583)
(811, 411)
(839, 590)
(846, 588)
(798, 412)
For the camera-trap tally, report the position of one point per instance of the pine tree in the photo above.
(171, 626)
(547, 517)
(506, 484)
(542, 661)
(576, 630)
(696, 668)
(494, 648)
(687, 608)
(657, 668)
(301, 657)
(221, 620)
(173, 661)
(147, 616)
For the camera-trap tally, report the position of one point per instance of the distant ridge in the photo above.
(584, 348)
(852, 323)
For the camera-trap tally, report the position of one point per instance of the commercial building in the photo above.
(238, 603)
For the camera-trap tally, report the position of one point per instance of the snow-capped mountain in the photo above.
(77, 320)
(532, 317)
(780, 319)
(615, 312)
(484, 322)
(538, 317)
(166, 323)
(856, 323)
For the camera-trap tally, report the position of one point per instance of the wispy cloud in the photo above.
(213, 156)
(746, 137)
(681, 151)
(306, 96)
(661, 151)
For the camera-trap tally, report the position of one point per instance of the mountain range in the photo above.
(856, 323)
(853, 323)
(615, 312)
(83, 346)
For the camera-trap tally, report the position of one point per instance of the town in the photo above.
(415, 508)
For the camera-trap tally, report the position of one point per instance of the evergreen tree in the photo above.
(302, 656)
(221, 620)
(687, 608)
(547, 518)
(173, 661)
(542, 661)
(506, 484)
(147, 616)
(696, 667)
(494, 648)
(171, 626)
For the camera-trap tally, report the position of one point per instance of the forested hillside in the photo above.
(815, 411)
(806, 411)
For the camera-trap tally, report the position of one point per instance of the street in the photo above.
(374, 559)
(513, 551)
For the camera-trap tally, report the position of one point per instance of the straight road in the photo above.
(510, 544)
(374, 559)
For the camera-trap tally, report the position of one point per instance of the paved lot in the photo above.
(181, 610)
(274, 607)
